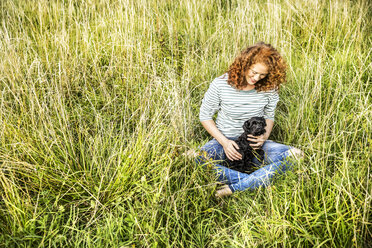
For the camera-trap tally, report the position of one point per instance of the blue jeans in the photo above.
(275, 162)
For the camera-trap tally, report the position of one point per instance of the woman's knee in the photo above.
(272, 148)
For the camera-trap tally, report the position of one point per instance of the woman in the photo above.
(249, 88)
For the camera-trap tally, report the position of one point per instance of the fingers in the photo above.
(255, 138)
(236, 154)
(233, 157)
(235, 145)
(232, 154)
(231, 151)
(258, 141)
(257, 145)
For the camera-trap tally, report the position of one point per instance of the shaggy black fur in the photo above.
(256, 127)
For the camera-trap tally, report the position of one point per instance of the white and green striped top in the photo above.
(235, 106)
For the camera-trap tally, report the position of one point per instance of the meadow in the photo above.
(99, 100)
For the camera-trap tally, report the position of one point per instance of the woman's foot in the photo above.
(191, 153)
(224, 191)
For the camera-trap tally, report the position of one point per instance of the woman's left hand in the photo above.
(260, 140)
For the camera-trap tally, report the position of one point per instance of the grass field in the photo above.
(100, 99)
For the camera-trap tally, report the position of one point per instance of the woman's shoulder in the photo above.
(221, 80)
(271, 94)
(224, 76)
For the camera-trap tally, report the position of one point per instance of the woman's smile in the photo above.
(256, 72)
(251, 81)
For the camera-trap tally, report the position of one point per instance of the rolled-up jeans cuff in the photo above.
(231, 188)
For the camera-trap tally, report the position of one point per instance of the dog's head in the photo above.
(255, 126)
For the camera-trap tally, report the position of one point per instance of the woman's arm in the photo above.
(229, 146)
(268, 128)
(261, 139)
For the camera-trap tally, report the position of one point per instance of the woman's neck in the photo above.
(248, 87)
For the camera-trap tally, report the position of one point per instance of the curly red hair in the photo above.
(258, 53)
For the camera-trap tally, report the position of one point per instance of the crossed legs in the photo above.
(276, 162)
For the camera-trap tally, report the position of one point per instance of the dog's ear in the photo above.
(264, 122)
(247, 126)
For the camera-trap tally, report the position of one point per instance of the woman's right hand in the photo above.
(230, 148)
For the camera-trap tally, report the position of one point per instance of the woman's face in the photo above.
(255, 73)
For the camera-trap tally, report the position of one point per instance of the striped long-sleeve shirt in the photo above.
(235, 106)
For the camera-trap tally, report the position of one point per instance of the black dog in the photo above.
(256, 127)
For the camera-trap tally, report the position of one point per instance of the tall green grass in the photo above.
(100, 98)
